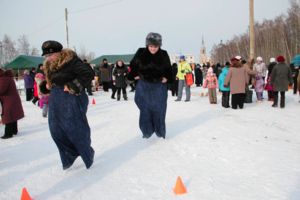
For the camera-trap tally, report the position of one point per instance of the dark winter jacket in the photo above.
(28, 81)
(198, 74)
(295, 72)
(32, 74)
(216, 69)
(67, 69)
(151, 67)
(105, 72)
(120, 80)
(40, 71)
(271, 67)
(174, 85)
(281, 77)
(12, 109)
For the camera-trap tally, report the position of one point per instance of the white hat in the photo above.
(272, 60)
(259, 58)
(238, 57)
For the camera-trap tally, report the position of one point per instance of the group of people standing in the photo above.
(114, 78)
(236, 76)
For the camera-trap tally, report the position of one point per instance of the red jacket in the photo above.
(12, 109)
(35, 89)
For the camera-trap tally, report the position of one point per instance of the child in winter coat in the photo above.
(35, 94)
(259, 87)
(269, 88)
(45, 101)
(211, 82)
(225, 91)
(44, 95)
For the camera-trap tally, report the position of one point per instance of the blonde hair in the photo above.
(26, 71)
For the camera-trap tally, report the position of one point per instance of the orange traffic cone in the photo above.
(25, 195)
(179, 188)
(94, 101)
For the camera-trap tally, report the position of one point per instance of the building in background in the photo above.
(203, 56)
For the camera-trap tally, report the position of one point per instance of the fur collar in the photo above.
(60, 60)
(148, 57)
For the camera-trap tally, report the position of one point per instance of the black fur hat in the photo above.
(51, 46)
(154, 39)
(43, 88)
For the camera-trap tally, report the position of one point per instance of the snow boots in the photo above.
(119, 97)
(225, 99)
(282, 102)
(275, 100)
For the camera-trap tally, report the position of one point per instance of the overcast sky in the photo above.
(121, 27)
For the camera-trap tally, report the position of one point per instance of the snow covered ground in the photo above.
(219, 153)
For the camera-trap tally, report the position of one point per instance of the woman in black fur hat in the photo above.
(151, 66)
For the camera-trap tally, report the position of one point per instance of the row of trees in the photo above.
(273, 38)
(11, 49)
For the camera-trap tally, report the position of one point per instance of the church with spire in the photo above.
(203, 56)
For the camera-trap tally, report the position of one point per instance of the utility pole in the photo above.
(67, 29)
(251, 29)
(0, 54)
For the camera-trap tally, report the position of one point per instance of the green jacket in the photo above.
(183, 66)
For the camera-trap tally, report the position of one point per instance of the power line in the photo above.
(45, 26)
(74, 12)
(95, 7)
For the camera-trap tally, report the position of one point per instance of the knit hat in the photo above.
(234, 59)
(39, 75)
(182, 57)
(272, 60)
(259, 58)
(210, 70)
(154, 39)
(280, 59)
(238, 57)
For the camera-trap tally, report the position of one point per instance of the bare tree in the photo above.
(91, 56)
(24, 46)
(280, 36)
(84, 55)
(9, 51)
